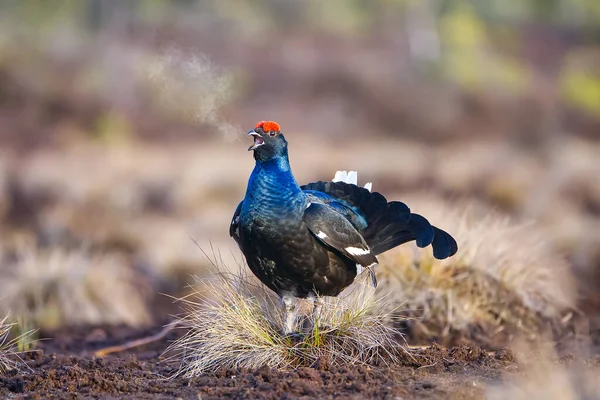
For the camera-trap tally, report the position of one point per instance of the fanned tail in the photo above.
(384, 225)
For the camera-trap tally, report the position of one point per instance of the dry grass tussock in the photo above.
(234, 321)
(543, 375)
(505, 280)
(54, 287)
(10, 348)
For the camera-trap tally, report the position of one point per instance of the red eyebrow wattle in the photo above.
(268, 126)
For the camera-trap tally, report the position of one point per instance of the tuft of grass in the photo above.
(505, 280)
(50, 288)
(11, 348)
(233, 321)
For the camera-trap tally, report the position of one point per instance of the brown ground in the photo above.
(65, 367)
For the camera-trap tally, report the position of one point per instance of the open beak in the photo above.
(258, 140)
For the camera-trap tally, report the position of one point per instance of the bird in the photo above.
(313, 240)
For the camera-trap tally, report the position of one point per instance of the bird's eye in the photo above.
(272, 133)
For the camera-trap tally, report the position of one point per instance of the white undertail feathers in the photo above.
(352, 177)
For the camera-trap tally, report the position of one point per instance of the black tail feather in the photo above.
(444, 245)
(391, 241)
(392, 234)
(422, 230)
(388, 224)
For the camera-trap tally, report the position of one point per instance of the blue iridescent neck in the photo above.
(272, 186)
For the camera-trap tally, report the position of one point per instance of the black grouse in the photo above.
(313, 240)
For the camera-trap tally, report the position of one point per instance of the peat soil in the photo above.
(65, 367)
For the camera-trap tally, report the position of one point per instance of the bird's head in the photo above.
(269, 142)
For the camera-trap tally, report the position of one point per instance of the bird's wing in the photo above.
(234, 228)
(334, 230)
(382, 224)
(352, 214)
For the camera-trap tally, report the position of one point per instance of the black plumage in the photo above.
(313, 240)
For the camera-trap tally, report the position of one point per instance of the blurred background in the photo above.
(122, 130)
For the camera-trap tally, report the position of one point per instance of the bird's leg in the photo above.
(318, 306)
(372, 275)
(289, 313)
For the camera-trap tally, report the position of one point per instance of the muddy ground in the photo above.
(65, 367)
